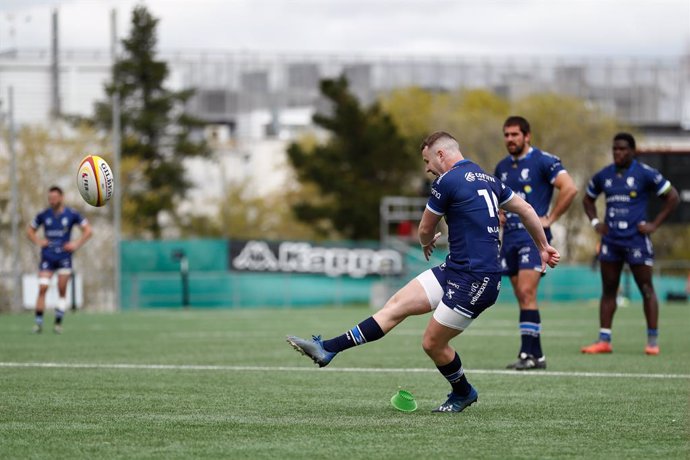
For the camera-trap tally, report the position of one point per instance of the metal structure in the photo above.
(636, 90)
(117, 198)
(14, 208)
(396, 210)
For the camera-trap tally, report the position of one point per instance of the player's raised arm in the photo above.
(532, 223)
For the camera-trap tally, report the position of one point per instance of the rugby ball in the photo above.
(95, 180)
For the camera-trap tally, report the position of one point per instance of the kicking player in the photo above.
(465, 284)
(56, 252)
(627, 185)
(532, 174)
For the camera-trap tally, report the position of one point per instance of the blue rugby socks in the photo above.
(58, 316)
(60, 310)
(530, 333)
(455, 374)
(605, 335)
(366, 331)
(652, 336)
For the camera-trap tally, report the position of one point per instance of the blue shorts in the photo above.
(468, 294)
(520, 256)
(636, 251)
(51, 264)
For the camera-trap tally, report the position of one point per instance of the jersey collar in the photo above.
(626, 170)
(522, 157)
(464, 160)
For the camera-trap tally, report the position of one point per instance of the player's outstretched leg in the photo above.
(312, 348)
(323, 351)
(411, 299)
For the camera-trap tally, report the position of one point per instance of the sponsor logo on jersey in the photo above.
(608, 183)
(436, 193)
(472, 176)
(620, 211)
(480, 291)
(618, 199)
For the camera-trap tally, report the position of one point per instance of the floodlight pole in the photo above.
(181, 256)
(14, 211)
(117, 192)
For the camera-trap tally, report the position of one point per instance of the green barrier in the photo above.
(151, 278)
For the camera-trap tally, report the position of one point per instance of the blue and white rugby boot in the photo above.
(312, 348)
(457, 403)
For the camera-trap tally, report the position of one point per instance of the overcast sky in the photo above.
(401, 27)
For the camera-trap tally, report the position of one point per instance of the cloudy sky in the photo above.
(402, 27)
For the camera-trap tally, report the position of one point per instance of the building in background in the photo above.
(256, 103)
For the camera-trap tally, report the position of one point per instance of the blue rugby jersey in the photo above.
(531, 177)
(57, 229)
(627, 193)
(469, 199)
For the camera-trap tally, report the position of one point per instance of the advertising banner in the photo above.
(304, 257)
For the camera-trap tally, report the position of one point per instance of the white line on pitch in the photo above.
(188, 367)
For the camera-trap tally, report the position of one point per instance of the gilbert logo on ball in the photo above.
(95, 180)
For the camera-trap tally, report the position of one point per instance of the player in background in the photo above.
(56, 252)
(533, 175)
(627, 185)
(465, 284)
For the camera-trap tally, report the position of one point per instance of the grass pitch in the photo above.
(225, 384)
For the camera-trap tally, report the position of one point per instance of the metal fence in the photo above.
(636, 90)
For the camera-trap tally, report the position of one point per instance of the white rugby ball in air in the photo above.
(95, 180)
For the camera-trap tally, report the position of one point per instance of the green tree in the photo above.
(364, 159)
(471, 115)
(245, 216)
(156, 131)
